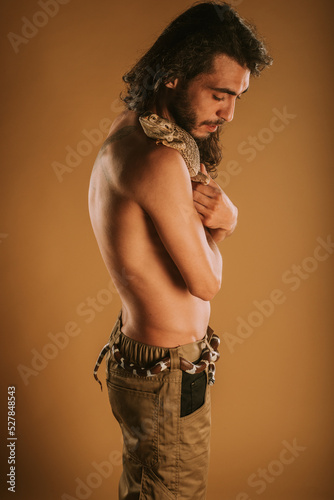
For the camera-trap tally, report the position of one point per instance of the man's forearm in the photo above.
(218, 234)
(217, 258)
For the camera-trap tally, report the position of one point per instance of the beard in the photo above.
(185, 116)
(182, 111)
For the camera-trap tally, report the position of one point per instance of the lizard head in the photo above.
(155, 126)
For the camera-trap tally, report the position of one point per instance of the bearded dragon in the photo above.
(171, 135)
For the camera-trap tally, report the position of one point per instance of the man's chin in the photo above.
(204, 131)
(200, 136)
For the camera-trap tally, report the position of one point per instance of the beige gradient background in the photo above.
(274, 385)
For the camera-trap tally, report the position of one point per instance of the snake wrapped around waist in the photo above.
(208, 358)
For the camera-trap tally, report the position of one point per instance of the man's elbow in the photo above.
(206, 290)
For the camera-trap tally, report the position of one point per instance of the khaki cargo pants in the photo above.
(165, 421)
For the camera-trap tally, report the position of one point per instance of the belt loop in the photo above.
(208, 337)
(174, 359)
(116, 331)
(209, 333)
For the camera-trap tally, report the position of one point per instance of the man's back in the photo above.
(151, 237)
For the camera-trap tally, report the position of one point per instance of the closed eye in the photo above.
(226, 90)
(218, 98)
(223, 98)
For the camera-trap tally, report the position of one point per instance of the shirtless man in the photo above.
(156, 236)
(158, 233)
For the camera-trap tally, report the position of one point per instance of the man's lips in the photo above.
(212, 128)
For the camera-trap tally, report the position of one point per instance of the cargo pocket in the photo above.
(137, 413)
(195, 451)
(153, 489)
(192, 392)
(195, 430)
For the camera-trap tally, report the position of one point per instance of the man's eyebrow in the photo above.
(226, 90)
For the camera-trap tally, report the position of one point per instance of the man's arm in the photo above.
(163, 189)
(217, 212)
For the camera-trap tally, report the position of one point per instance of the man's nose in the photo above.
(227, 111)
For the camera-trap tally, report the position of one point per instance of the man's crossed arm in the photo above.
(215, 209)
(162, 188)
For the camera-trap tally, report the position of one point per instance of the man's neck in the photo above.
(161, 107)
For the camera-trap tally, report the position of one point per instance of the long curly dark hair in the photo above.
(185, 49)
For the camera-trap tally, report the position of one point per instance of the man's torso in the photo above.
(157, 307)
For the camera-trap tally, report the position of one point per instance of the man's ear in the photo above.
(172, 84)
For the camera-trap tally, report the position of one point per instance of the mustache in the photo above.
(213, 124)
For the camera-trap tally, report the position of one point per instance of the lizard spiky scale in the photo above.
(171, 135)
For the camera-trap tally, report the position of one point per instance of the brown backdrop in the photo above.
(272, 403)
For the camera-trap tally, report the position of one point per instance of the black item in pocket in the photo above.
(193, 392)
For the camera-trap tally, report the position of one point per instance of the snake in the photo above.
(208, 358)
(171, 135)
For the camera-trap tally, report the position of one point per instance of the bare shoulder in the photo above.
(160, 173)
(132, 163)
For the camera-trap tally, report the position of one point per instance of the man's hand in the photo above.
(215, 209)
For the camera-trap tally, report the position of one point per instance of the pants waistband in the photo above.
(145, 354)
(136, 356)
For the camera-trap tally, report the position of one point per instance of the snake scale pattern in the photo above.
(171, 135)
(209, 356)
